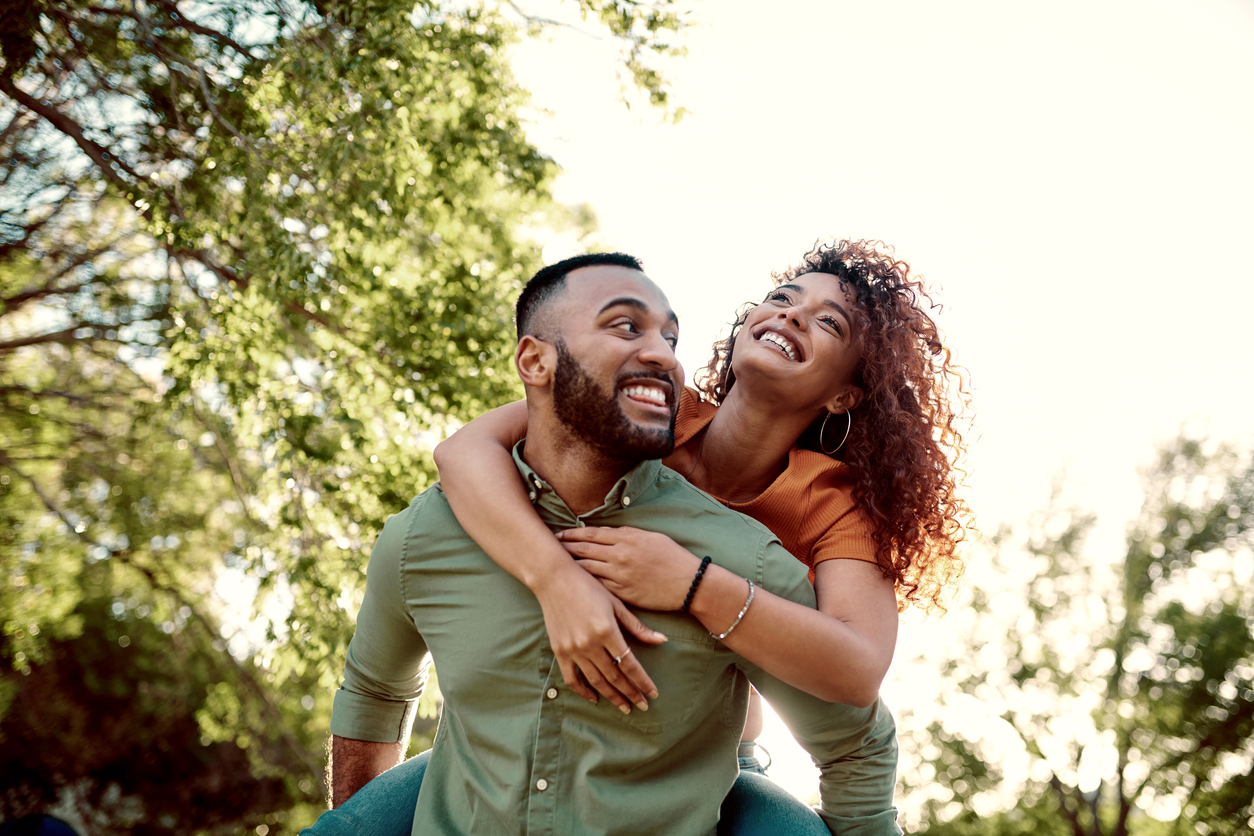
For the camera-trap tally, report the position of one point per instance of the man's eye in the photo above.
(672, 340)
(628, 326)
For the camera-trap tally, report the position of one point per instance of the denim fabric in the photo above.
(757, 806)
(748, 758)
(383, 807)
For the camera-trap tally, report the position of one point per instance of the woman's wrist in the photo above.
(546, 566)
(718, 599)
(696, 582)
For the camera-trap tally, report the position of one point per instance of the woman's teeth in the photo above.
(784, 345)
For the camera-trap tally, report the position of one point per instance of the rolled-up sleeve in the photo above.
(854, 748)
(386, 669)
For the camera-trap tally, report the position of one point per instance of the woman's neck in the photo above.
(743, 449)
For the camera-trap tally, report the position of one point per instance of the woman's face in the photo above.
(803, 335)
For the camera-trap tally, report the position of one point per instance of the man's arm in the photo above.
(384, 673)
(354, 763)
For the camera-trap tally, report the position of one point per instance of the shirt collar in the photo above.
(630, 489)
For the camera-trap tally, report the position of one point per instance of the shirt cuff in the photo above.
(359, 717)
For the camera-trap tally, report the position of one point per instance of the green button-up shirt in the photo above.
(517, 752)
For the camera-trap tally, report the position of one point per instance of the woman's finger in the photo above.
(630, 670)
(598, 569)
(575, 681)
(636, 627)
(589, 551)
(608, 680)
(593, 534)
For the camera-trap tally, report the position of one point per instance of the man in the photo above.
(517, 751)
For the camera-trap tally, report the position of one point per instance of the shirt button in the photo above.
(532, 495)
(579, 523)
(551, 693)
(626, 500)
(542, 785)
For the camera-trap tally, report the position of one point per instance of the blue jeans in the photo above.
(756, 805)
(384, 807)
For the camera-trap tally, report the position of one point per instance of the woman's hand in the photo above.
(582, 620)
(643, 568)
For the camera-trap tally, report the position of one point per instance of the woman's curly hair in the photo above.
(905, 444)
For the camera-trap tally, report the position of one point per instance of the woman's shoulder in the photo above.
(828, 480)
(835, 526)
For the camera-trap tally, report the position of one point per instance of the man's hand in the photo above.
(582, 620)
(354, 763)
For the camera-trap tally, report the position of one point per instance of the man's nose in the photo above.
(657, 351)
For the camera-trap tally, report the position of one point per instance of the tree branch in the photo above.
(65, 336)
(109, 165)
(182, 22)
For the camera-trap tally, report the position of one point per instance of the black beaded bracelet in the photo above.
(692, 590)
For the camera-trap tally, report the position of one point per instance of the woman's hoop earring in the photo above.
(822, 429)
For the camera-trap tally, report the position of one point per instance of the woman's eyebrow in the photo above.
(836, 307)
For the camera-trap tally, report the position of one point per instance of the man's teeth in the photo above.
(772, 337)
(647, 393)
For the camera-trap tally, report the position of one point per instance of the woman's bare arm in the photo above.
(839, 652)
(582, 618)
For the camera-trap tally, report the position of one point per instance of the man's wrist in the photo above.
(354, 763)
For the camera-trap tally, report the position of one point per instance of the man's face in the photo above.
(617, 382)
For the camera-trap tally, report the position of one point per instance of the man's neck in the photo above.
(580, 475)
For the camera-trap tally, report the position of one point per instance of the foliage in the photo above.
(255, 256)
(1108, 698)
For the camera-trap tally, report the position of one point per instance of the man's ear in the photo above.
(536, 361)
(846, 401)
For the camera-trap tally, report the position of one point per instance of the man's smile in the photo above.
(648, 394)
(650, 397)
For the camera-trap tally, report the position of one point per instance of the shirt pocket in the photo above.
(686, 672)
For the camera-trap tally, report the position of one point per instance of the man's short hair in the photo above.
(547, 284)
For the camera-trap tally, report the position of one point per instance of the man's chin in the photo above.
(640, 444)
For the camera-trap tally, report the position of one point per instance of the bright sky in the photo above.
(1076, 176)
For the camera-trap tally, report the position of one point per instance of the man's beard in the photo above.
(594, 416)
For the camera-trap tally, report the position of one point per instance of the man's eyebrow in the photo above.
(638, 304)
(829, 303)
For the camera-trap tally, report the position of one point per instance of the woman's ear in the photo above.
(846, 401)
(536, 361)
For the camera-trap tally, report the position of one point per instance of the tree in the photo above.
(255, 255)
(1107, 698)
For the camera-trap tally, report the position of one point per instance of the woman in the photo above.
(826, 415)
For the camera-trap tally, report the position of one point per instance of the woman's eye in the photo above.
(834, 325)
(778, 296)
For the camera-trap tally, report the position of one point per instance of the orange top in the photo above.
(809, 506)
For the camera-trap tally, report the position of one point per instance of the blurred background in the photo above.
(258, 256)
